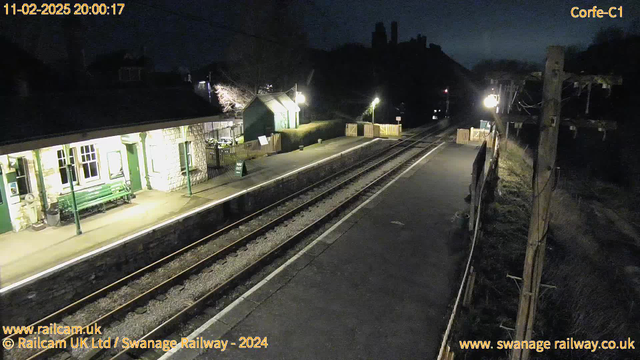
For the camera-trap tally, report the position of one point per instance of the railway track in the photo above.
(134, 291)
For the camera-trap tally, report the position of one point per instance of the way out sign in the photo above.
(241, 168)
(398, 119)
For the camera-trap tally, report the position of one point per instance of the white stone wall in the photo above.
(163, 151)
(52, 180)
(103, 146)
(162, 147)
(18, 208)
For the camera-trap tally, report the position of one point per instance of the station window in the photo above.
(22, 176)
(114, 161)
(181, 150)
(89, 160)
(62, 166)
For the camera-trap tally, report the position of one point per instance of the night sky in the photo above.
(469, 31)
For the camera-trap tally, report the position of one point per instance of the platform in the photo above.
(377, 285)
(27, 253)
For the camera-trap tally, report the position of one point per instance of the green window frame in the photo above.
(183, 166)
(89, 159)
(22, 176)
(62, 166)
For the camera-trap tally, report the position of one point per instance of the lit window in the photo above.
(62, 166)
(182, 162)
(89, 161)
(114, 161)
(22, 176)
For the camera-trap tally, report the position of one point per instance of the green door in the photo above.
(134, 167)
(5, 218)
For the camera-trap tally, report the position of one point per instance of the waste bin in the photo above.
(461, 219)
(53, 217)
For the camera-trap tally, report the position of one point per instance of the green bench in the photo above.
(94, 196)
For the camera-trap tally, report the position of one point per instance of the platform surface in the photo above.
(27, 253)
(377, 286)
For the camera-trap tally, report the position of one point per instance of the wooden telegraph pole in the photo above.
(543, 183)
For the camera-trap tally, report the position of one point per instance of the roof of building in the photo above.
(54, 115)
(276, 102)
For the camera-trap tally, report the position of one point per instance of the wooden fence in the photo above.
(482, 190)
(371, 130)
(351, 130)
(462, 137)
(473, 135)
(227, 156)
(387, 130)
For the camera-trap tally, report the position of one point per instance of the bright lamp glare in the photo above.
(300, 99)
(375, 101)
(491, 101)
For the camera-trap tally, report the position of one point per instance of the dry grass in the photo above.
(584, 259)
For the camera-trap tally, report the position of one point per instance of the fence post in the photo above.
(469, 288)
(217, 151)
(477, 176)
(472, 203)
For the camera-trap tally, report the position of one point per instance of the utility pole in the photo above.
(544, 168)
(295, 99)
(373, 116)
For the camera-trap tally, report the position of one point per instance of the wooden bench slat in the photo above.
(94, 196)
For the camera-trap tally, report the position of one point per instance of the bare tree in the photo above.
(271, 56)
(232, 98)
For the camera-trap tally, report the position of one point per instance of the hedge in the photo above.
(308, 134)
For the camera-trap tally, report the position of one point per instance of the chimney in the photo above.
(394, 33)
(379, 36)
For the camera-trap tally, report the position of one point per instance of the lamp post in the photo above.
(185, 130)
(299, 98)
(446, 91)
(74, 203)
(373, 110)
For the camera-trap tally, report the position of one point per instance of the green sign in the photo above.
(241, 168)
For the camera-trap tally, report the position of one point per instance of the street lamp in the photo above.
(300, 99)
(375, 102)
(491, 101)
(446, 91)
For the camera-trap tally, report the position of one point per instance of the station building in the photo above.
(135, 137)
(269, 113)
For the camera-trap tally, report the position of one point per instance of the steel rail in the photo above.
(158, 263)
(252, 268)
(104, 319)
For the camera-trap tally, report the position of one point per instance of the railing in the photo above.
(482, 187)
(227, 156)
